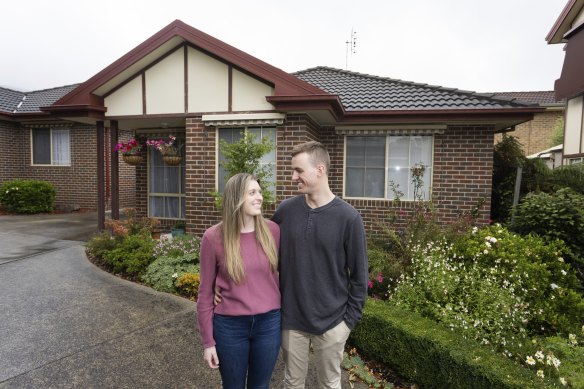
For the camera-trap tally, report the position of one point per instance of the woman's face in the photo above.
(252, 205)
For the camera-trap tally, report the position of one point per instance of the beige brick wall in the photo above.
(536, 134)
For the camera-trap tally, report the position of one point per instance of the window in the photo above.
(51, 146)
(233, 135)
(166, 186)
(575, 161)
(376, 164)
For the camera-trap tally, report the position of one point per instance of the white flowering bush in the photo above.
(495, 287)
(178, 246)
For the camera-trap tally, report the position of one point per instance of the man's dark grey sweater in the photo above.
(323, 265)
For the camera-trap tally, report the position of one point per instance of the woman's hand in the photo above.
(210, 356)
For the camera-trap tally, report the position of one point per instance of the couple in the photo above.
(321, 275)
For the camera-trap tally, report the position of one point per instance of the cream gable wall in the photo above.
(165, 85)
(573, 137)
(249, 94)
(127, 100)
(208, 83)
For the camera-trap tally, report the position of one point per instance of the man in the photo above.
(323, 271)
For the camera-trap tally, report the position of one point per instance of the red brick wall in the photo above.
(12, 142)
(463, 158)
(75, 184)
(535, 135)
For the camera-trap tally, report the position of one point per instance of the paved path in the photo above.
(64, 323)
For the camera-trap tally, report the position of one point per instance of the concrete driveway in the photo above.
(64, 323)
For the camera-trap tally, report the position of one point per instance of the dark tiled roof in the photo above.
(9, 99)
(538, 97)
(19, 102)
(363, 92)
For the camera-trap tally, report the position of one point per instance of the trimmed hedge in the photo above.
(27, 196)
(433, 356)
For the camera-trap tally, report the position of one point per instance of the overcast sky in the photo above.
(476, 45)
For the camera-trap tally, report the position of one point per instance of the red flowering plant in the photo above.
(165, 146)
(130, 147)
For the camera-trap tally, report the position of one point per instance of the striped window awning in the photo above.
(391, 130)
(244, 119)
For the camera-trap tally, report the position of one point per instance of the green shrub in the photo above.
(100, 244)
(164, 271)
(434, 356)
(555, 216)
(27, 196)
(132, 255)
(494, 287)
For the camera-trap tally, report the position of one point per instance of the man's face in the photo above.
(304, 173)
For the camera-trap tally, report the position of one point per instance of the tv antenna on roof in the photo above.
(350, 47)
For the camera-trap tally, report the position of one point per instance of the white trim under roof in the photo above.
(244, 119)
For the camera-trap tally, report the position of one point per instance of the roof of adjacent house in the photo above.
(543, 98)
(364, 92)
(13, 102)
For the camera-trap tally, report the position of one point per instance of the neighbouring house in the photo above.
(569, 29)
(40, 146)
(535, 135)
(551, 156)
(185, 83)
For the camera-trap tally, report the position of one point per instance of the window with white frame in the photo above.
(51, 146)
(376, 166)
(166, 185)
(233, 135)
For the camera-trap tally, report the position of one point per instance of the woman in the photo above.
(239, 256)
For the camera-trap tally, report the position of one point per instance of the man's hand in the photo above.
(217, 298)
(210, 356)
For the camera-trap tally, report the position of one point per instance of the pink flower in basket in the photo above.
(131, 147)
(165, 146)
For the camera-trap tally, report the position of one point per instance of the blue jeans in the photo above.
(247, 345)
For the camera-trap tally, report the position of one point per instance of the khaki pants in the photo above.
(328, 355)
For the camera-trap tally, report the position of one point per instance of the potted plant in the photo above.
(130, 151)
(178, 229)
(167, 148)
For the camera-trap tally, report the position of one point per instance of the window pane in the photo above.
(41, 146)
(365, 166)
(61, 153)
(164, 207)
(163, 178)
(374, 182)
(354, 182)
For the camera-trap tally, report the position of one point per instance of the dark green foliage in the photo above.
(555, 216)
(433, 356)
(163, 272)
(101, 244)
(508, 155)
(132, 255)
(27, 196)
(244, 157)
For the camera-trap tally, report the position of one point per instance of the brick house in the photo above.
(37, 145)
(184, 82)
(569, 29)
(535, 135)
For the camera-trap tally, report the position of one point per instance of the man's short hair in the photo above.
(316, 151)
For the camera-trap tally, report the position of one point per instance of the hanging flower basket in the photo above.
(167, 148)
(172, 160)
(133, 160)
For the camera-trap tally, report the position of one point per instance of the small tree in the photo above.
(558, 133)
(244, 156)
